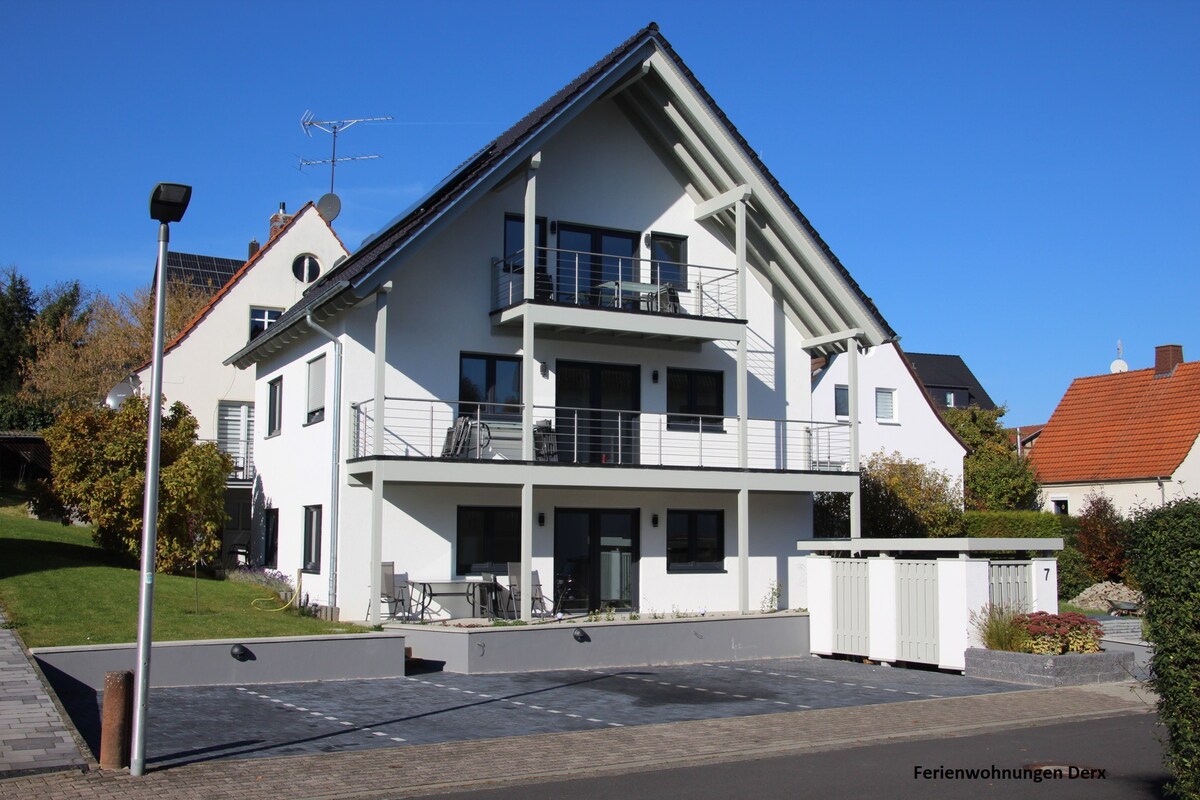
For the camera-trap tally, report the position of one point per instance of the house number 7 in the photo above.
(1047, 573)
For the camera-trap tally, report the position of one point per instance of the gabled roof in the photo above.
(818, 291)
(206, 273)
(238, 275)
(1125, 426)
(938, 371)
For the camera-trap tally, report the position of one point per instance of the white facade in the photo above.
(639, 500)
(908, 424)
(1127, 496)
(221, 396)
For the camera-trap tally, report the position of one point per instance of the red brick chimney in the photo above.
(1166, 358)
(279, 220)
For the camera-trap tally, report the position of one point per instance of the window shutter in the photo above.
(316, 384)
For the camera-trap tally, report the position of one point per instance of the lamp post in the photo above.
(168, 201)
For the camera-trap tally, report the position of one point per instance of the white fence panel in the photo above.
(851, 607)
(917, 611)
(1010, 585)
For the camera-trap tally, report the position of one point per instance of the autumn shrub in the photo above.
(98, 468)
(999, 628)
(901, 498)
(1074, 575)
(1164, 548)
(1101, 537)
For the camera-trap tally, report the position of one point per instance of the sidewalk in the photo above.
(33, 735)
(413, 770)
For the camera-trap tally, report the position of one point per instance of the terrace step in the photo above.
(1124, 627)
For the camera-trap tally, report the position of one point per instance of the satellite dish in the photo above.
(329, 206)
(1118, 366)
(120, 393)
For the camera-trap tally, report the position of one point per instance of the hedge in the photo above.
(1165, 549)
(1019, 524)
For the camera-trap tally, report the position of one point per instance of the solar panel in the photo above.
(207, 273)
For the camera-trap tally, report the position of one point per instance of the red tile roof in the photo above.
(1131, 425)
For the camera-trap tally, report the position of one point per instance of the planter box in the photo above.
(1071, 669)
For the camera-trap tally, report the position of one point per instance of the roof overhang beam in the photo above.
(721, 202)
(855, 334)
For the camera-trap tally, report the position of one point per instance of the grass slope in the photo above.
(58, 588)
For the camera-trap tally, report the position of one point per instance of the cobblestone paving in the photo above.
(208, 723)
(32, 734)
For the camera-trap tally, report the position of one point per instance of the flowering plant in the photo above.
(1052, 634)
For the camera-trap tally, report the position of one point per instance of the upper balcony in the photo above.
(598, 293)
(242, 453)
(491, 432)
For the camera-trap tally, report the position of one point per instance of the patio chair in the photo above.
(545, 444)
(489, 590)
(394, 591)
(514, 592)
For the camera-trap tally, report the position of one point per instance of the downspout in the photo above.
(335, 471)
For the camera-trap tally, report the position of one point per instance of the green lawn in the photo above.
(57, 588)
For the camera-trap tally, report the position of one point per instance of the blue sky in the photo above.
(1017, 182)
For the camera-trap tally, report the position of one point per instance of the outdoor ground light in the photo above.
(240, 653)
(168, 202)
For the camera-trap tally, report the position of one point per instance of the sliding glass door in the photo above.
(591, 261)
(597, 417)
(595, 558)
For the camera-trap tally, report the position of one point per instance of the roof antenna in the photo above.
(1119, 365)
(330, 204)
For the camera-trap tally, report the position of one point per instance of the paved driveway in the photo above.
(206, 723)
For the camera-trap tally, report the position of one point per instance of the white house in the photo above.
(895, 412)
(634, 418)
(1132, 436)
(300, 249)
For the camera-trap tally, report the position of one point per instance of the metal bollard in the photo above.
(116, 720)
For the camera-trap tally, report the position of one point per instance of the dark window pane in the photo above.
(841, 401)
(514, 242)
(488, 538)
(668, 263)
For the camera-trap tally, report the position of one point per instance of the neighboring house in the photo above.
(895, 412)
(950, 381)
(1024, 437)
(632, 418)
(301, 248)
(1131, 435)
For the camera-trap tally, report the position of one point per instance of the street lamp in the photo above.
(168, 202)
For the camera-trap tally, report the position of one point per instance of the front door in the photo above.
(595, 558)
(598, 413)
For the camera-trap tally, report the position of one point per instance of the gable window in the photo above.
(261, 319)
(841, 401)
(274, 407)
(1061, 506)
(695, 400)
(312, 539)
(696, 541)
(949, 398)
(270, 537)
(488, 538)
(668, 260)
(316, 390)
(885, 405)
(306, 268)
(489, 386)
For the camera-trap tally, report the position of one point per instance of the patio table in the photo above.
(427, 590)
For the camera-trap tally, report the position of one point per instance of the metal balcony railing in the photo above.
(474, 430)
(596, 280)
(241, 453)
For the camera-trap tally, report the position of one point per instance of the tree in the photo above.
(18, 309)
(901, 498)
(994, 478)
(1101, 537)
(98, 459)
(82, 352)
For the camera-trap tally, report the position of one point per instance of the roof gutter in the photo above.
(336, 466)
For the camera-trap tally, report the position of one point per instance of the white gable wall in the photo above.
(917, 431)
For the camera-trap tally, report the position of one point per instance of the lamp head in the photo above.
(168, 201)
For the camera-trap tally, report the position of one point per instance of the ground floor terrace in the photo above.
(645, 541)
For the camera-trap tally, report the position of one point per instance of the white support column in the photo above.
(527, 552)
(820, 604)
(379, 432)
(1044, 585)
(530, 259)
(852, 392)
(743, 392)
(882, 622)
(962, 585)
(743, 533)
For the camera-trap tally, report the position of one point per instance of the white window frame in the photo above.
(274, 407)
(267, 317)
(894, 418)
(315, 412)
